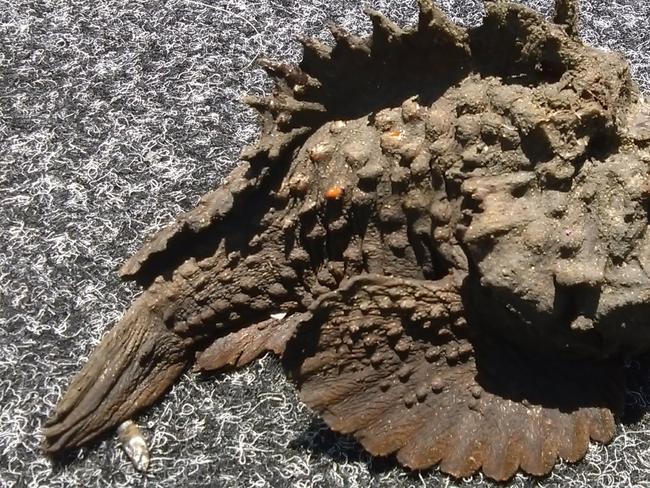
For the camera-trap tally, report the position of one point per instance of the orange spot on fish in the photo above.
(334, 193)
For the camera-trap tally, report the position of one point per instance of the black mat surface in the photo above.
(114, 117)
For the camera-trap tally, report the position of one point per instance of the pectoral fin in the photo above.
(394, 363)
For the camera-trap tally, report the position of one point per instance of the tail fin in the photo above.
(136, 362)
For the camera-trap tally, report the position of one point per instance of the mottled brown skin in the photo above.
(452, 224)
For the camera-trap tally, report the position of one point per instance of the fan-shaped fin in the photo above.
(393, 362)
(361, 76)
(384, 30)
(294, 77)
(434, 23)
(567, 14)
(315, 56)
(212, 207)
(277, 104)
(270, 147)
(354, 45)
(178, 241)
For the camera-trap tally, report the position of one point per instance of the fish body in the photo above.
(442, 231)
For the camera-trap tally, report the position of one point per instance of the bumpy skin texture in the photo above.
(443, 233)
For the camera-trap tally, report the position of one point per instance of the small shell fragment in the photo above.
(134, 444)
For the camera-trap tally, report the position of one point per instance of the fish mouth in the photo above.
(134, 364)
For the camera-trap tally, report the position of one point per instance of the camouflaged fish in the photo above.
(442, 232)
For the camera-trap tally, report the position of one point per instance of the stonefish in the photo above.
(443, 234)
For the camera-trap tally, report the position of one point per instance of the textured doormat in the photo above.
(114, 117)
